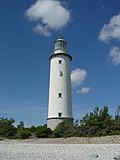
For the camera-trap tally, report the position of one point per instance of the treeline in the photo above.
(96, 123)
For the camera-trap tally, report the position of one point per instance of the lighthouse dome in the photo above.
(60, 45)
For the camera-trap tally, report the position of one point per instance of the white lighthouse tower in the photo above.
(60, 98)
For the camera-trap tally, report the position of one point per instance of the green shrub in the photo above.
(23, 133)
(43, 132)
(61, 129)
(32, 129)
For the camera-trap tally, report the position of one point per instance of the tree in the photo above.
(21, 125)
(97, 123)
(116, 126)
(6, 127)
(117, 113)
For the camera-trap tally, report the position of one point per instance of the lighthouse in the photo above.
(60, 98)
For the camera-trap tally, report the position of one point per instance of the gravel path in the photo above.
(20, 150)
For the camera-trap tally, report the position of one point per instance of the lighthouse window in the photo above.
(59, 114)
(60, 95)
(60, 73)
(57, 45)
(60, 61)
(61, 44)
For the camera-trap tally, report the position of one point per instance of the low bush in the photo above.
(43, 132)
(23, 133)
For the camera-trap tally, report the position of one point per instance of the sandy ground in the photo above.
(59, 149)
(77, 140)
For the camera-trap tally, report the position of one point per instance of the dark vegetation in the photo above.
(96, 123)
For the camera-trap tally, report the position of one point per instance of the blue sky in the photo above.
(27, 32)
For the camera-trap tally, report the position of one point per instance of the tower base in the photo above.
(53, 122)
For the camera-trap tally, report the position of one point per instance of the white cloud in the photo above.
(78, 76)
(83, 90)
(50, 14)
(42, 30)
(111, 30)
(114, 55)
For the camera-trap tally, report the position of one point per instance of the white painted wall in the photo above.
(62, 85)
